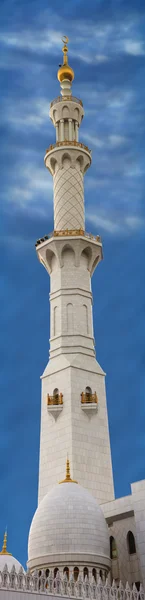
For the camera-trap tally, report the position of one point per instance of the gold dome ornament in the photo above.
(65, 71)
(68, 478)
(4, 548)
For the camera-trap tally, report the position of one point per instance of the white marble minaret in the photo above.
(73, 412)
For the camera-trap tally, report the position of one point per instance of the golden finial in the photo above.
(4, 548)
(65, 72)
(67, 475)
(65, 40)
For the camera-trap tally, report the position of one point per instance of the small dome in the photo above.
(10, 561)
(7, 559)
(68, 525)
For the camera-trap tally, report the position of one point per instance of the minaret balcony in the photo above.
(69, 233)
(55, 403)
(72, 143)
(66, 107)
(52, 245)
(64, 98)
(77, 153)
(89, 401)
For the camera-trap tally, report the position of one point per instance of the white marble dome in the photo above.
(68, 527)
(10, 561)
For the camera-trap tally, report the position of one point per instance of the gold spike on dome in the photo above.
(65, 72)
(4, 548)
(67, 476)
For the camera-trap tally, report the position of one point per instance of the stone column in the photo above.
(76, 131)
(62, 130)
(70, 129)
(57, 139)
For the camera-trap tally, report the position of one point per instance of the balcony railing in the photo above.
(68, 143)
(63, 98)
(88, 398)
(55, 400)
(69, 232)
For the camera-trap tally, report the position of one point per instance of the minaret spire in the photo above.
(65, 39)
(65, 73)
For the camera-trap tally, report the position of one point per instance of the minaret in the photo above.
(73, 411)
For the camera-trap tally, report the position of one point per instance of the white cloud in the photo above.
(134, 222)
(103, 222)
(122, 100)
(125, 225)
(100, 58)
(134, 170)
(117, 140)
(134, 47)
(113, 140)
(93, 182)
(91, 139)
(29, 114)
(42, 41)
(32, 181)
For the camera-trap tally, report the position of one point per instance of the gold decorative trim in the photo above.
(4, 548)
(67, 475)
(67, 233)
(55, 400)
(89, 398)
(68, 143)
(64, 98)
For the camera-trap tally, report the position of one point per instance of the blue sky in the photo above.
(107, 52)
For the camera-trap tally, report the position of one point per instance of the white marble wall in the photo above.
(19, 595)
(138, 499)
(71, 322)
(117, 513)
(82, 434)
(128, 564)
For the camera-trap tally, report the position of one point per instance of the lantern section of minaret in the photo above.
(67, 160)
(73, 411)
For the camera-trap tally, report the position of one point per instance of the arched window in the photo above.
(66, 570)
(100, 573)
(86, 572)
(69, 310)
(137, 583)
(113, 549)
(56, 321)
(47, 575)
(39, 582)
(131, 543)
(76, 573)
(85, 318)
(55, 571)
(56, 395)
(88, 391)
(94, 573)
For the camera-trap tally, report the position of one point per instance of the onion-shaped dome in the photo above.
(68, 526)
